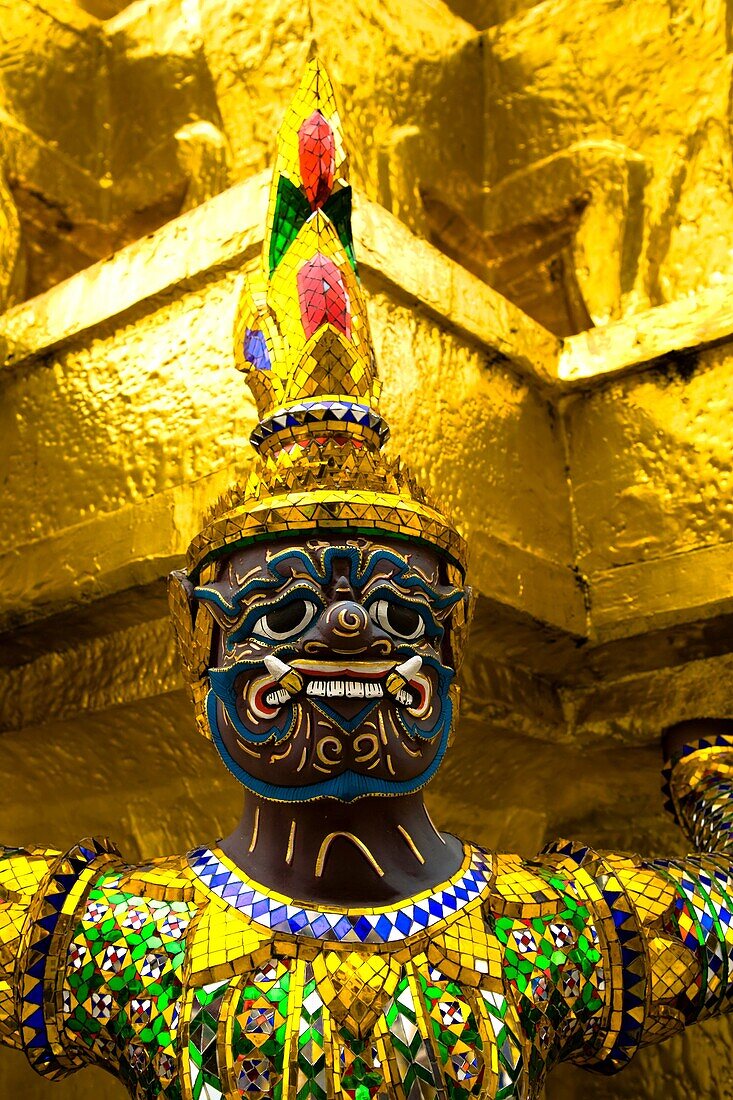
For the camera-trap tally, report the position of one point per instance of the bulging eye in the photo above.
(285, 621)
(398, 619)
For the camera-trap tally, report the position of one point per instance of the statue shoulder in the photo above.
(22, 872)
(161, 896)
(40, 889)
(163, 901)
(551, 946)
(526, 888)
(168, 878)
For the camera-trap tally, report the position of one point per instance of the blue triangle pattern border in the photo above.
(354, 926)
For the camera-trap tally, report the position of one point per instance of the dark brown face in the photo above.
(332, 668)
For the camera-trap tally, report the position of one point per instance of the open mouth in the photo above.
(351, 684)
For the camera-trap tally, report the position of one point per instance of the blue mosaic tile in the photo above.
(331, 924)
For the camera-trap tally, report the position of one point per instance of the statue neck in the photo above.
(374, 851)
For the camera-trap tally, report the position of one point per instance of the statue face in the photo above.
(338, 714)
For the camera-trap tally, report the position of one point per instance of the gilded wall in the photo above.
(544, 225)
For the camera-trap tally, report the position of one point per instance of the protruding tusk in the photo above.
(276, 667)
(410, 668)
(284, 674)
(400, 676)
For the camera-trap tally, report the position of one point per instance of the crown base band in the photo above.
(361, 513)
(325, 417)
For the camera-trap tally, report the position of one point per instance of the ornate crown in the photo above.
(302, 339)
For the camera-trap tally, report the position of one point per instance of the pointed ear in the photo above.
(471, 598)
(459, 625)
(181, 605)
(193, 629)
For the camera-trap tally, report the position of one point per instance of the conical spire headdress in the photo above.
(302, 339)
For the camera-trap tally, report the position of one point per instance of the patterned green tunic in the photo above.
(188, 981)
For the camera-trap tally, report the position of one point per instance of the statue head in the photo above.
(322, 614)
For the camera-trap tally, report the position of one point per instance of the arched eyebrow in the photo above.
(443, 596)
(261, 583)
(364, 571)
(438, 600)
(407, 577)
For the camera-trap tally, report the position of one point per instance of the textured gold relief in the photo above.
(12, 259)
(675, 209)
(665, 483)
(574, 160)
(589, 197)
(192, 101)
(576, 193)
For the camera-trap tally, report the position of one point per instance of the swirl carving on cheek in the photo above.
(321, 753)
(363, 756)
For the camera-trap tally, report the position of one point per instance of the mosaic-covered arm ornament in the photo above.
(40, 892)
(21, 873)
(699, 783)
(666, 925)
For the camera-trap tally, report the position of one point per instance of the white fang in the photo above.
(276, 667)
(409, 668)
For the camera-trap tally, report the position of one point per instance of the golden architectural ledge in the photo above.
(595, 505)
(645, 339)
(225, 233)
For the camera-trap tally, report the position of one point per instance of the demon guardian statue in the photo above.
(336, 944)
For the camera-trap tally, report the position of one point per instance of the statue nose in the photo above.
(347, 628)
(346, 623)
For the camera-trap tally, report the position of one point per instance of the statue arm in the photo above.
(699, 782)
(41, 891)
(22, 871)
(666, 925)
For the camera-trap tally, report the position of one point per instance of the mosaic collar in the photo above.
(382, 924)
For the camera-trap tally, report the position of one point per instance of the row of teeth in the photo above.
(276, 696)
(350, 689)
